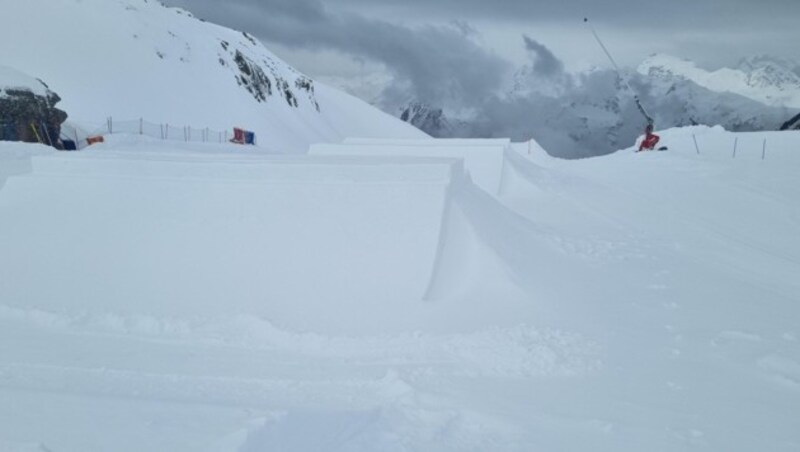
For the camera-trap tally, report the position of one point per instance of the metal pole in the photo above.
(46, 133)
(735, 143)
(619, 73)
(695, 144)
(764, 150)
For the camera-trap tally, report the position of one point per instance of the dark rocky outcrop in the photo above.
(253, 78)
(428, 119)
(792, 124)
(263, 79)
(29, 114)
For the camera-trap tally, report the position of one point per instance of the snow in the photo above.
(769, 81)
(167, 67)
(160, 296)
(387, 292)
(11, 79)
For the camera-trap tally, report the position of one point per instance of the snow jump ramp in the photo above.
(491, 163)
(278, 237)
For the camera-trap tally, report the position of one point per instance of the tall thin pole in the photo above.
(695, 144)
(619, 73)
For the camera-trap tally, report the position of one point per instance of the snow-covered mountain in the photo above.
(769, 80)
(591, 113)
(131, 59)
(427, 118)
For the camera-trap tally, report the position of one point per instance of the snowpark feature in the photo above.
(491, 163)
(270, 223)
(184, 297)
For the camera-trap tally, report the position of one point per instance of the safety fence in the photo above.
(82, 137)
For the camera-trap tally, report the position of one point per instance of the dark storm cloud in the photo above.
(445, 61)
(544, 62)
(438, 62)
(672, 14)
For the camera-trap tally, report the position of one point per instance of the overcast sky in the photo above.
(472, 43)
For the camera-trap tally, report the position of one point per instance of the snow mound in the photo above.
(12, 79)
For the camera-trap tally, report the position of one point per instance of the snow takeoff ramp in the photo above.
(271, 236)
(483, 159)
(491, 163)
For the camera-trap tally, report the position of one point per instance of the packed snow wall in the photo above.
(273, 237)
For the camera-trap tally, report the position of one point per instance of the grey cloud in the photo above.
(438, 63)
(674, 14)
(544, 62)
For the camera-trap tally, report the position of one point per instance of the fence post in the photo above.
(764, 150)
(735, 143)
(695, 144)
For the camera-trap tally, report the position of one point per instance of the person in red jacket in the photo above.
(650, 139)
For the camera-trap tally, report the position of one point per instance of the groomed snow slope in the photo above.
(632, 302)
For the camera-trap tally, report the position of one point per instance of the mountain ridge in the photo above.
(591, 113)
